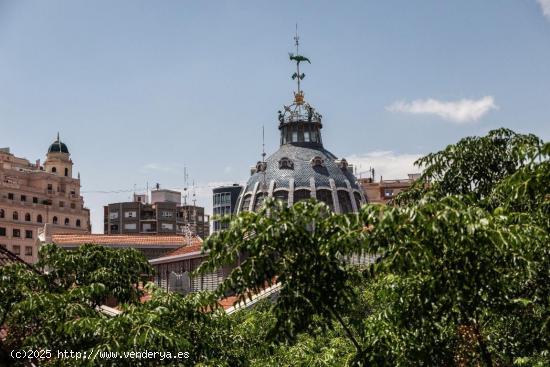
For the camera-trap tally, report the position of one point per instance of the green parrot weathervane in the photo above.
(298, 58)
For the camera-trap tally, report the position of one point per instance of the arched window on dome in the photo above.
(2, 213)
(246, 203)
(317, 161)
(66, 172)
(343, 164)
(345, 201)
(67, 221)
(54, 169)
(357, 197)
(78, 223)
(286, 163)
(258, 200)
(301, 194)
(54, 220)
(261, 166)
(325, 196)
(281, 195)
(27, 217)
(15, 216)
(39, 218)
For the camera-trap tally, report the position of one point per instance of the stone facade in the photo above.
(32, 195)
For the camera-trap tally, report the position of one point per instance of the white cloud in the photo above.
(545, 7)
(387, 164)
(462, 111)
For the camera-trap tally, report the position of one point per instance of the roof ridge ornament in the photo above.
(299, 94)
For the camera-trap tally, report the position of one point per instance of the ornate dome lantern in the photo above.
(302, 168)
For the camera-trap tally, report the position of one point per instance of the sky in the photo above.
(141, 90)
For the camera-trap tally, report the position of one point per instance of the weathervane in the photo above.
(299, 94)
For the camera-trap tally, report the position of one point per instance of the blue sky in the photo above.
(140, 89)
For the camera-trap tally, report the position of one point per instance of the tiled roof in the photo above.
(303, 170)
(105, 239)
(196, 246)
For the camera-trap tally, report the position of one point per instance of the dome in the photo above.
(58, 147)
(296, 172)
(302, 168)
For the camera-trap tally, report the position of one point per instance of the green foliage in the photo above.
(119, 271)
(473, 166)
(299, 246)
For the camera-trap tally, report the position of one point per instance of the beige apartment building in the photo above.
(384, 190)
(32, 195)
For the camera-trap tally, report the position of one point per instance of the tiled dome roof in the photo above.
(58, 147)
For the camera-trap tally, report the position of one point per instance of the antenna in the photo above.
(185, 180)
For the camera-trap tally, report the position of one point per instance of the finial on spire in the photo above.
(58, 136)
(299, 94)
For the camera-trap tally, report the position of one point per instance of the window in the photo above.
(73, 205)
(301, 195)
(306, 136)
(130, 214)
(114, 227)
(146, 227)
(286, 163)
(317, 161)
(35, 200)
(27, 217)
(345, 201)
(5, 247)
(28, 233)
(294, 136)
(2, 231)
(28, 250)
(2, 213)
(168, 226)
(281, 195)
(23, 197)
(16, 233)
(66, 172)
(61, 204)
(130, 226)
(326, 197)
(50, 188)
(15, 216)
(54, 169)
(258, 200)
(67, 221)
(246, 203)
(54, 220)
(10, 196)
(167, 214)
(78, 222)
(388, 193)
(39, 218)
(17, 250)
(113, 215)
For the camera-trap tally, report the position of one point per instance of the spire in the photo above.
(299, 94)
(58, 136)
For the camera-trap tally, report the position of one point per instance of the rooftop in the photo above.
(121, 240)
